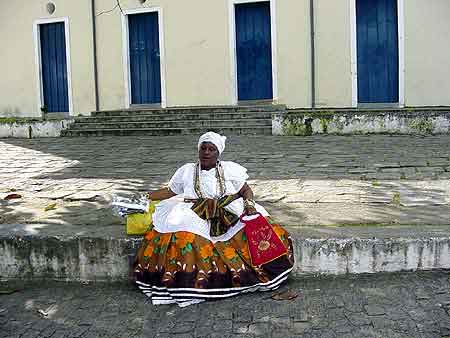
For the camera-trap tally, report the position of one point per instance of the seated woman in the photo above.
(197, 249)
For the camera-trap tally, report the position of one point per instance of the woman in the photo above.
(197, 249)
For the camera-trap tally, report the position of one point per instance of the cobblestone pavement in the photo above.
(383, 306)
(302, 180)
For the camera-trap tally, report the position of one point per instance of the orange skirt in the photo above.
(185, 268)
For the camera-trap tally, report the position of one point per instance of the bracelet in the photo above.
(147, 196)
(249, 203)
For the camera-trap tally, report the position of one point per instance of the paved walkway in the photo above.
(376, 306)
(301, 180)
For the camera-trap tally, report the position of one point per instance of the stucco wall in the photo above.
(18, 83)
(293, 49)
(197, 61)
(333, 51)
(198, 69)
(17, 80)
(427, 52)
(109, 54)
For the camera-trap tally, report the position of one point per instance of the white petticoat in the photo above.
(174, 215)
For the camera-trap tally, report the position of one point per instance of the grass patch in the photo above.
(396, 198)
(14, 119)
(10, 120)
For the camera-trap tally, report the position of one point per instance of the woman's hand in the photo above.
(250, 210)
(249, 204)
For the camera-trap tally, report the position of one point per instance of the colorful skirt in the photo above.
(185, 268)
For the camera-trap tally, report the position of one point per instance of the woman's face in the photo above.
(208, 154)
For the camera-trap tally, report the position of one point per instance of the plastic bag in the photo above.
(139, 224)
(123, 206)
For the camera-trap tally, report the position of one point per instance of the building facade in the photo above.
(73, 57)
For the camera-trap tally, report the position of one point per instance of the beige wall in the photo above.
(333, 53)
(109, 56)
(18, 84)
(17, 80)
(198, 63)
(294, 53)
(197, 49)
(427, 52)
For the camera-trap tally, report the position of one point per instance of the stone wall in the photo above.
(352, 121)
(30, 128)
(84, 258)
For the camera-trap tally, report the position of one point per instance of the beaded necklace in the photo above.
(219, 177)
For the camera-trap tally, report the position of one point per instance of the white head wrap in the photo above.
(216, 139)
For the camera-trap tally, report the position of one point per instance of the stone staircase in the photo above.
(230, 120)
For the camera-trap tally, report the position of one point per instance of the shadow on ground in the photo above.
(388, 170)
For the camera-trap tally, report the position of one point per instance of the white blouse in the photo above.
(174, 214)
(182, 182)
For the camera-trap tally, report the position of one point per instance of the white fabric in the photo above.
(216, 139)
(182, 182)
(174, 214)
(188, 296)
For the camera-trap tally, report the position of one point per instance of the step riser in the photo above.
(233, 120)
(156, 132)
(172, 117)
(263, 109)
(102, 259)
(180, 124)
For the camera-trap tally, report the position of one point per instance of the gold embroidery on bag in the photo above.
(263, 245)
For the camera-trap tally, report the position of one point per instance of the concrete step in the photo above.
(189, 110)
(104, 253)
(171, 124)
(245, 130)
(232, 120)
(176, 117)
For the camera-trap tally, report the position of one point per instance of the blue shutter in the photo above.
(145, 73)
(54, 67)
(377, 51)
(254, 51)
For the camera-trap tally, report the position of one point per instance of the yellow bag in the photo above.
(139, 224)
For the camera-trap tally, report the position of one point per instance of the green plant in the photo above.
(396, 198)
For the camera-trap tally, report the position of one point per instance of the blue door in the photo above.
(377, 51)
(145, 72)
(54, 67)
(253, 51)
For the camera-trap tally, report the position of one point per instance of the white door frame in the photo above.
(126, 52)
(38, 61)
(232, 41)
(401, 53)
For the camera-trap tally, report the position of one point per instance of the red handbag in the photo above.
(263, 243)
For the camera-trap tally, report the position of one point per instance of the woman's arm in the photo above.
(161, 194)
(247, 194)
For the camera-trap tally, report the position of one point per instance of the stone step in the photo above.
(253, 120)
(190, 110)
(105, 253)
(171, 124)
(244, 130)
(177, 116)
